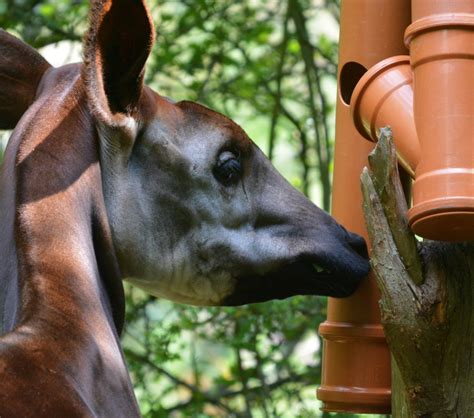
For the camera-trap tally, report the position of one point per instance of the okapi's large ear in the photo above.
(21, 70)
(118, 43)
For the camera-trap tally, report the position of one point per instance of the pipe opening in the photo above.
(350, 75)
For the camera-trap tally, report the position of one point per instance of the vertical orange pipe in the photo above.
(356, 360)
(441, 42)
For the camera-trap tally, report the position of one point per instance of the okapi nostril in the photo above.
(358, 244)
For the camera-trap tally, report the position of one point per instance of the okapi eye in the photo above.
(228, 168)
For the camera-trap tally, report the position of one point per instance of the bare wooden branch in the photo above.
(386, 179)
(427, 301)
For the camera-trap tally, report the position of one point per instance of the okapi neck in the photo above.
(61, 221)
(67, 281)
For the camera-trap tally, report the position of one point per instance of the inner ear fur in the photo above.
(117, 45)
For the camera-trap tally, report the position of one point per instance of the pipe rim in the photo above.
(335, 330)
(355, 399)
(453, 205)
(362, 85)
(436, 22)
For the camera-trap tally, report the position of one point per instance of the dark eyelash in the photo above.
(228, 171)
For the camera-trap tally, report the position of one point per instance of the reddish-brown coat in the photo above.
(64, 357)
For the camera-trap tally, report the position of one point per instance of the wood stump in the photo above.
(427, 299)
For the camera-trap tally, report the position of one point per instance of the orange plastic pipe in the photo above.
(441, 41)
(384, 97)
(425, 8)
(356, 373)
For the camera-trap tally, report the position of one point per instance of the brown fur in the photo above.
(21, 69)
(63, 358)
(113, 97)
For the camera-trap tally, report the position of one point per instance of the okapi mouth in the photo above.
(334, 269)
(301, 277)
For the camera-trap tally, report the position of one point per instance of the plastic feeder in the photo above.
(384, 96)
(356, 373)
(442, 59)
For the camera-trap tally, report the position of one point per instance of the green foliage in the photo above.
(222, 361)
(44, 22)
(271, 67)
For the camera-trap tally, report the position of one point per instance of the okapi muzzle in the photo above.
(105, 180)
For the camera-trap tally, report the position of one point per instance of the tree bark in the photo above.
(427, 298)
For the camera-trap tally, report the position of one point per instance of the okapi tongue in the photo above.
(297, 278)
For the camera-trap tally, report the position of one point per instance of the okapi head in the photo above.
(197, 213)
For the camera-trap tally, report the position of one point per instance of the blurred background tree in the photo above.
(271, 66)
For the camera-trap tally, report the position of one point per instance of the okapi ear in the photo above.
(21, 70)
(118, 43)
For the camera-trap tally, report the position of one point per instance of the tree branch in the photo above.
(322, 148)
(277, 96)
(426, 303)
(386, 181)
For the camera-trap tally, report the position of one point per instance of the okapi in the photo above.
(105, 180)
